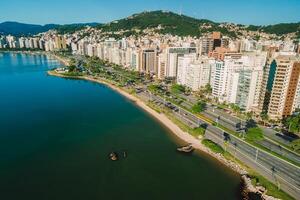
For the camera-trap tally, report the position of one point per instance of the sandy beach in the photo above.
(186, 137)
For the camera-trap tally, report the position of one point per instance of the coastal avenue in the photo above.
(272, 141)
(235, 124)
(284, 174)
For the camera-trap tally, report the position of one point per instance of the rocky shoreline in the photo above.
(250, 192)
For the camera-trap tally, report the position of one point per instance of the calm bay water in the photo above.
(55, 136)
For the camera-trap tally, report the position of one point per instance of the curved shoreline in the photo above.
(64, 61)
(246, 184)
(186, 137)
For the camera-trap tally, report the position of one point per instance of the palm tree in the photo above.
(249, 115)
(296, 145)
(199, 107)
(235, 108)
(293, 123)
(208, 89)
(264, 117)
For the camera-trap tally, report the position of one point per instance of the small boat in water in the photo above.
(113, 156)
(186, 149)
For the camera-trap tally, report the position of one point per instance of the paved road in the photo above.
(258, 166)
(274, 135)
(275, 169)
(225, 116)
(235, 126)
(280, 150)
(232, 123)
(281, 167)
(211, 111)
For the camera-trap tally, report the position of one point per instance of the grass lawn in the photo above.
(272, 189)
(254, 134)
(196, 132)
(213, 146)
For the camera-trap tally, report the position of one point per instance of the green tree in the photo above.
(176, 88)
(293, 123)
(235, 108)
(203, 91)
(72, 68)
(296, 145)
(208, 89)
(199, 107)
(264, 117)
(72, 61)
(254, 134)
(154, 88)
(249, 115)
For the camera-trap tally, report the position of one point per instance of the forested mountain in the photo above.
(18, 29)
(168, 22)
(160, 21)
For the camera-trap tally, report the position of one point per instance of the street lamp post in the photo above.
(217, 121)
(235, 145)
(256, 155)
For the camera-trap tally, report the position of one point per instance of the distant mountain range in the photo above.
(19, 29)
(160, 21)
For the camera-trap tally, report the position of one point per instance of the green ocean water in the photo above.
(56, 134)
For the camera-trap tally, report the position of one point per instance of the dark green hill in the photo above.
(170, 22)
(183, 25)
(71, 28)
(278, 29)
(18, 29)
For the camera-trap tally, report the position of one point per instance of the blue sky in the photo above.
(73, 11)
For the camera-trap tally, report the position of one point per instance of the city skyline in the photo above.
(85, 106)
(66, 12)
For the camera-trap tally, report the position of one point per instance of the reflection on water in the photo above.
(56, 135)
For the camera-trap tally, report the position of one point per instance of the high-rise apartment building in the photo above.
(22, 42)
(134, 64)
(194, 73)
(238, 79)
(60, 42)
(281, 86)
(148, 61)
(173, 53)
(210, 43)
(161, 65)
